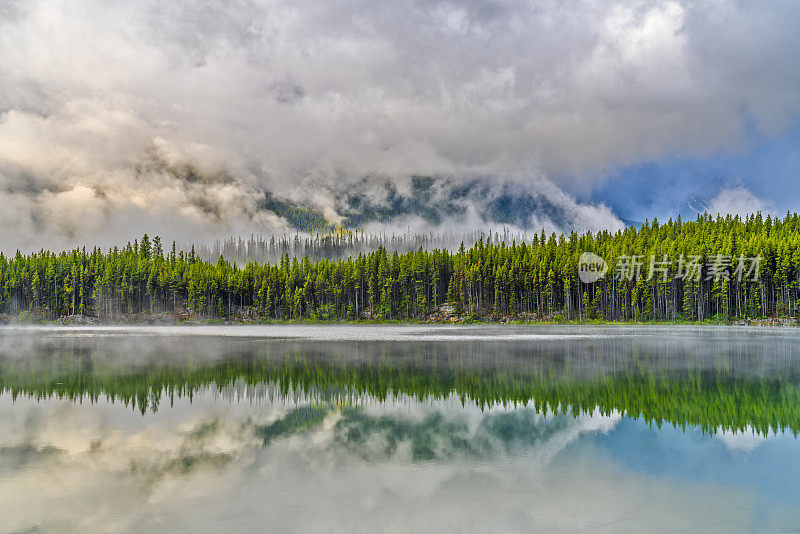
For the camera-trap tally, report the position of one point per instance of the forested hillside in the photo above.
(537, 279)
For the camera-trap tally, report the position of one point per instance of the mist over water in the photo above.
(446, 163)
(388, 429)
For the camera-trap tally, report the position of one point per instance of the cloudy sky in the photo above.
(178, 117)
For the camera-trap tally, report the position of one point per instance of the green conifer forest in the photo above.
(536, 279)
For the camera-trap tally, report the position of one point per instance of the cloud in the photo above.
(187, 465)
(305, 101)
(738, 201)
(745, 441)
(456, 468)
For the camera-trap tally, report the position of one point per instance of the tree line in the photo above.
(493, 279)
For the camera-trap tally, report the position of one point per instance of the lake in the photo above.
(399, 429)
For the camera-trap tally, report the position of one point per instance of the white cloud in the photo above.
(306, 100)
(742, 441)
(737, 201)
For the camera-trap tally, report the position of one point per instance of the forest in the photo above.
(493, 279)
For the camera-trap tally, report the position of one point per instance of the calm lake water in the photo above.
(399, 429)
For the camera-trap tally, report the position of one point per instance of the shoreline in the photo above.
(171, 320)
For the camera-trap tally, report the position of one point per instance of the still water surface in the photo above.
(399, 429)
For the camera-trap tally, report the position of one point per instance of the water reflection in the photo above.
(498, 433)
(714, 379)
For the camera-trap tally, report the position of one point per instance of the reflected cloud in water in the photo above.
(475, 436)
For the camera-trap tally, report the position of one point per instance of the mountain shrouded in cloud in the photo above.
(200, 119)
